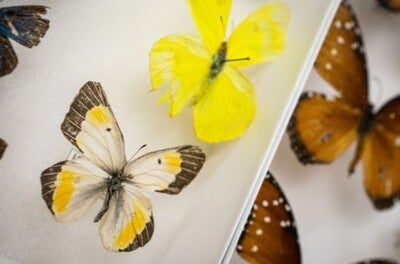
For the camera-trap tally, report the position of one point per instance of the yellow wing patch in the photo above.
(98, 116)
(135, 226)
(63, 193)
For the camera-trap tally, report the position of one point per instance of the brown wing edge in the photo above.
(3, 146)
(193, 159)
(390, 5)
(377, 261)
(303, 154)
(271, 179)
(47, 180)
(144, 238)
(90, 95)
(8, 58)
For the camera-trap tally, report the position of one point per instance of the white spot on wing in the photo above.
(340, 40)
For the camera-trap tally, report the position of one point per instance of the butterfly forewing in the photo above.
(3, 146)
(168, 170)
(320, 130)
(8, 58)
(91, 126)
(341, 60)
(70, 187)
(24, 24)
(172, 63)
(211, 18)
(265, 31)
(270, 235)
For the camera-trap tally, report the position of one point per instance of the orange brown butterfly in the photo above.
(392, 5)
(270, 234)
(322, 128)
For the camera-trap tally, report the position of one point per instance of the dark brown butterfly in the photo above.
(3, 146)
(322, 128)
(270, 235)
(392, 5)
(377, 261)
(22, 24)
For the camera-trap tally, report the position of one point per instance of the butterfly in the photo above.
(322, 128)
(392, 5)
(377, 261)
(3, 146)
(24, 25)
(206, 73)
(71, 187)
(270, 234)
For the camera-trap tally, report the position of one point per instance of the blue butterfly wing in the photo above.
(8, 58)
(24, 24)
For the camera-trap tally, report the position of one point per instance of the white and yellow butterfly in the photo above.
(70, 187)
(207, 73)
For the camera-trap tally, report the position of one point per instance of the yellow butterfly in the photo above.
(207, 74)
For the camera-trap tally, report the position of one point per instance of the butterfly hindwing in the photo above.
(260, 37)
(211, 18)
(91, 126)
(270, 234)
(227, 109)
(166, 171)
(24, 24)
(381, 156)
(341, 60)
(70, 187)
(128, 222)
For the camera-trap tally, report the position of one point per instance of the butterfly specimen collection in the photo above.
(224, 105)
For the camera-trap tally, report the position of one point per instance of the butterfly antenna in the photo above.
(137, 151)
(223, 27)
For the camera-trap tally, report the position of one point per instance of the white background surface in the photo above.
(109, 42)
(336, 221)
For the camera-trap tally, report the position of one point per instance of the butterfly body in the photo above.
(71, 187)
(23, 24)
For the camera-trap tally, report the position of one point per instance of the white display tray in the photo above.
(109, 42)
